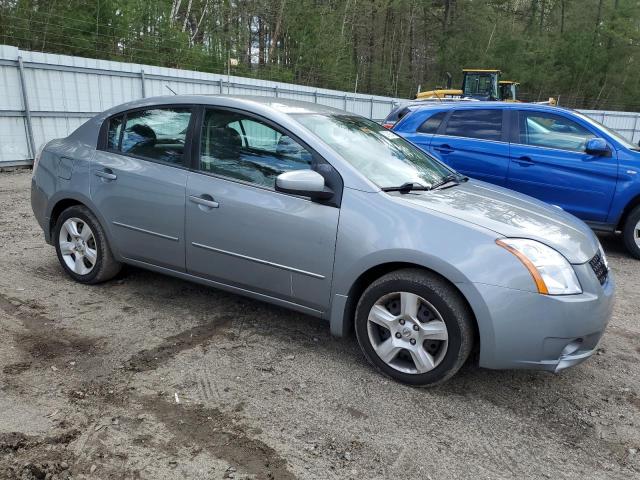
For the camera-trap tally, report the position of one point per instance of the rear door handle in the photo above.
(204, 200)
(525, 161)
(443, 148)
(107, 174)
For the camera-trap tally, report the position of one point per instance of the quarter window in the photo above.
(113, 135)
(432, 123)
(552, 131)
(236, 146)
(476, 123)
(157, 134)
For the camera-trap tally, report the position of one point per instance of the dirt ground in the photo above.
(152, 377)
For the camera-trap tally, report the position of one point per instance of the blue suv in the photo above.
(554, 154)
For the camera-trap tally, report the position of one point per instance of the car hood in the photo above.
(511, 214)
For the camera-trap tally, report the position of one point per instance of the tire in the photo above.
(631, 233)
(96, 262)
(440, 307)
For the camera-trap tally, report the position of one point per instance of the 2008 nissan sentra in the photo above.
(329, 214)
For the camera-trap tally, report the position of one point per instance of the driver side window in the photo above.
(552, 131)
(242, 148)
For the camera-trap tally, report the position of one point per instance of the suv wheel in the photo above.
(631, 232)
(414, 327)
(82, 247)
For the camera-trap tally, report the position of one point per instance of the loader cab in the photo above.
(509, 90)
(481, 84)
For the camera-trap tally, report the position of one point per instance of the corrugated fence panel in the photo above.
(64, 91)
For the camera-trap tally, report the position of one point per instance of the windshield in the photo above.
(382, 156)
(615, 135)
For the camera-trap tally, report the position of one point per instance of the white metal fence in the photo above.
(45, 96)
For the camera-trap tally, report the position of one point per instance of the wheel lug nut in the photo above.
(398, 335)
(412, 341)
(416, 328)
(402, 321)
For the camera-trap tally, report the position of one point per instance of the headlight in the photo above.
(551, 272)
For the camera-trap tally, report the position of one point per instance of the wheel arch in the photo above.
(373, 273)
(631, 205)
(63, 201)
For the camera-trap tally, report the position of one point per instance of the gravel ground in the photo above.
(152, 377)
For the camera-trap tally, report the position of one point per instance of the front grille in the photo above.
(599, 268)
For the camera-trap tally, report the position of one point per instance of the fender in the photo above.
(64, 195)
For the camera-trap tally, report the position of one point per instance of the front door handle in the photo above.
(525, 161)
(443, 148)
(107, 174)
(204, 200)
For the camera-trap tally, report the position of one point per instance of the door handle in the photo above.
(443, 148)
(204, 200)
(525, 161)
(107, 174)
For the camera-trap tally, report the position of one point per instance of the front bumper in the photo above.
(520, 329)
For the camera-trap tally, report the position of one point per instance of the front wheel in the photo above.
(631, 232)
(82, 247)
(414, 327)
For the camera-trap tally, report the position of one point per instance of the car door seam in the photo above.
(149, 232)
(258, 260)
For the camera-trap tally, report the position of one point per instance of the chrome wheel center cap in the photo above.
(406, 332)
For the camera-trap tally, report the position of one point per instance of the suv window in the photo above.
(476, 123)
(552, 131)
(157, 134)
(243, 148)
(432, 123)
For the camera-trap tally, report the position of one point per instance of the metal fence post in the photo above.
(315, 96)
(275, 91)
(144, 90)
(345, 102)
(635, 126)
(371, 109)
(31, 144)
(220, 82)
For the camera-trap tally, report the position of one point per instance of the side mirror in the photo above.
(597, 146)
(306, 183)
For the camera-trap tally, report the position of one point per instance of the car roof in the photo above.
(281, 105)
(485, 105)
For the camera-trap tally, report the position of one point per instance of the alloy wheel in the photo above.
(407, 332)
(78, 246)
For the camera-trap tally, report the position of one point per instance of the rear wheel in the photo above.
(82, 247)
(414, 327)
(631, 232)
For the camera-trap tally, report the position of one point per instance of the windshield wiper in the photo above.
(406, 188)
(453, 178)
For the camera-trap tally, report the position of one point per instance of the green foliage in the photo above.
(584, 51)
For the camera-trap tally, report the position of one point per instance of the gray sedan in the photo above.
(332, 215)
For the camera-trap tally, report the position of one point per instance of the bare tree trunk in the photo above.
(174, 10)
(186, 15)
(276, 32)
(261, 41)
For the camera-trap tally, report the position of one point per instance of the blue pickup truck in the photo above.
(554, 154)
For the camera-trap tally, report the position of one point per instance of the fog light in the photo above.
(571, 347)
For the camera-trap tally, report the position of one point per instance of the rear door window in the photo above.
(157, 134)
(476, 123)
(432, 124)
